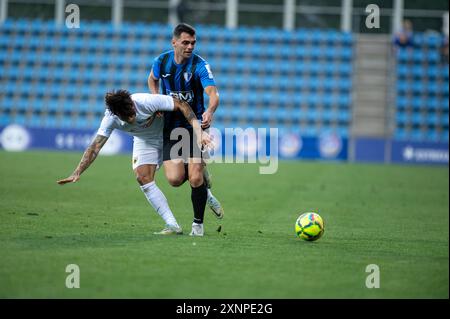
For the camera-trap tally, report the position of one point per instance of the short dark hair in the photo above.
(183, 27)
(120, 103)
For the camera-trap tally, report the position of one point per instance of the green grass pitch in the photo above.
(396, 217)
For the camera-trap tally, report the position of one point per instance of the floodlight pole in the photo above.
(346, 15)
(173, 15)
(289, 15)
(117, 12)
(59, 12)
(3, 10)
(232, 14)
(445, 24)
(398, 16)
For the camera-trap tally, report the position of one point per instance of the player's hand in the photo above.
(207, 118)
(206, 140)
(70, 179)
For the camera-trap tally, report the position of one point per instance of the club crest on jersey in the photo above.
(187, 76)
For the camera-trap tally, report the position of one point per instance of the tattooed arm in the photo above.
(88, 158)
(202, 137)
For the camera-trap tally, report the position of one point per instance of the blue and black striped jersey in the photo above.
(185, 82)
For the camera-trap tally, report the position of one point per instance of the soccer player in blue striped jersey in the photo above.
(186, 76)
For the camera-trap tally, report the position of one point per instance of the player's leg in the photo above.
(175, 158)
(212, 201)
(198, 196)
(174, 168)
(146, 159)
(199, 193)
(175, 172)
(207, 177)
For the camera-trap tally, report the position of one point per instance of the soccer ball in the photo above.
(309, 226)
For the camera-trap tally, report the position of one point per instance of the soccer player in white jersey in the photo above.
(135, 114)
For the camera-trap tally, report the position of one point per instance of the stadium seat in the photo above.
(400, 133)
(420, 76)
(309, 130)
(81, 122)
(5, 119)
(444, 105)
(417, 135)
(34, 121)
(343, 131)
(432, 120)
(417, 119)
(66, 122)
(19, 119)
(402, 118)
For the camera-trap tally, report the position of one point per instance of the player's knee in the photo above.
(144, 179)
(196, 180)
(175, 181)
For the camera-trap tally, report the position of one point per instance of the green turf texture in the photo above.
(396, 217)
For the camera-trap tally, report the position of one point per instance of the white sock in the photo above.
(159, 202)
(209, 192)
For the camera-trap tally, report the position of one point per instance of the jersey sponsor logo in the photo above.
(187, 76)
(165, 75)
(187, 96)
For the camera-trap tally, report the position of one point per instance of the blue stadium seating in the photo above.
(422, 92)
(62, 74)
(34, 121)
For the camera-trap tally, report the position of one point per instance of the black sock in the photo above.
(198, 197)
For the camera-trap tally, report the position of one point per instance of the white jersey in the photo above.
(146, 106)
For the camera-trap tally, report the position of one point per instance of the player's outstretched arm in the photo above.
(202, 137)
(90, 154)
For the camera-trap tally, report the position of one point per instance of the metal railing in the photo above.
(236, 12)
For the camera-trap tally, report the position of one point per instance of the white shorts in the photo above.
(146, 152)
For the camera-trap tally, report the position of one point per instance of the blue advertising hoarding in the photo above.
(230, 142)
(400, 152)
(419, 153)
(370, 150)
(240, 143)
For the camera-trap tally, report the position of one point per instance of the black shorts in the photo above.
(183, 147)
